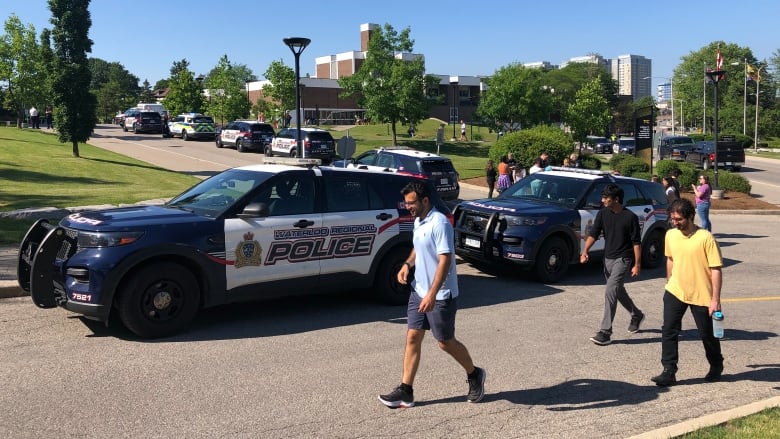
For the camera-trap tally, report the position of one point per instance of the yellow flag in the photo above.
(753, 74)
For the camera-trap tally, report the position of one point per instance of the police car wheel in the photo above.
(653, 250)
(184, 136)
(240, 146)
(219, 143)
(159, 300)
(268, 151)
(552, 261)
(386, 282)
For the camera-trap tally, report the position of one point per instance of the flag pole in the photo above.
(744, 102)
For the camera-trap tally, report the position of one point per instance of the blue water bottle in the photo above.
(717, 324)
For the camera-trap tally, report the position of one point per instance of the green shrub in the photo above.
(477, 137)
(590, 161)
(729, 181)
(526, 145)
(628, 165)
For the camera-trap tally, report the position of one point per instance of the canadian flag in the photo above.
(719, 60)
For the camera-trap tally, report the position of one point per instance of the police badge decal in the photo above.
(248, 251)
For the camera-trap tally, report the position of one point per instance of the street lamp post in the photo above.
(682, 115)
(453, 109)
(715, 76)
(296, 45)
(755, 129)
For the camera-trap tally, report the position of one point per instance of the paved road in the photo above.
(312, 367)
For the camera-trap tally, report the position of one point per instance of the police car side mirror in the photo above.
(255, 210)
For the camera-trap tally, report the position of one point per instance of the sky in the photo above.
(457, 38)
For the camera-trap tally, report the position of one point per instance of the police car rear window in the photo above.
(203, 119)
(322, 137)
(260, 128)
(437, 166)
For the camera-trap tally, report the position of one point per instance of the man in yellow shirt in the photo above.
(694, 279)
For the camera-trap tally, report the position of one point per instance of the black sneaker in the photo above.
(666, 378)
(602, 338)
(714, 374)
(477, 386)
(398, 398)
(633, 327)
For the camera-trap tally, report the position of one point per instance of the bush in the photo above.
(590, 161)
(628, 165)
(689, 175)
(730, 181)
(526, 145)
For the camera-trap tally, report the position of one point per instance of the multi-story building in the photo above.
(632, 73)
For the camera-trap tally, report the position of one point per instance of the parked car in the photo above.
(435, 168)
(245, 135)
(731, 155)
(190, 126)
(249, 233)
(626, 145)
(540, 222)
(317, 143)
(148, 122)
(129, 118)
(600, 145)
(674, 147)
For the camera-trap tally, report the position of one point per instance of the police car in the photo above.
(192, 126)
(317, 143)
(542, 221)
(246, 135)
(248, 233)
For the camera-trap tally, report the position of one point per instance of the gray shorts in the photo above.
(440, 321)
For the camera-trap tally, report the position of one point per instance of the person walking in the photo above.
(622, 255)
(702, 193)
(693, 280)
(670, 189)
(433, 301)
(463, 131)
(490, 175)
(504, 175)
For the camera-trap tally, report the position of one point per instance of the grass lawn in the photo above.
(38, 171)
(762, 425)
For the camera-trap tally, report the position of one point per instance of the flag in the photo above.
(719, 60)
(753, 74)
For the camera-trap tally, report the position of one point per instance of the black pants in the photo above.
(674, 310)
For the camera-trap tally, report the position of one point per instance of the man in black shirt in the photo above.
(622, 255)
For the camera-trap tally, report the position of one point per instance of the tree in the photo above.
(185, 95)
(74, 105)
(114, 87)
(516, 96)
(227, 98)
(21, 67)
(390, 88)
(146, 92)
(590, 111)
(280, 92)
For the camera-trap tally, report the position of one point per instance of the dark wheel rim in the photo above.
(553, 260)
(162, 301)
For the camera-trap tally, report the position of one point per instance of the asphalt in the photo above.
(9, 287)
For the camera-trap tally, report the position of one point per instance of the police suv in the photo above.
(541, 222)
(192, 126)
(246, 135)
(248, 233)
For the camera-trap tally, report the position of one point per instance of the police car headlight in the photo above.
(523, 220)
(107, 239)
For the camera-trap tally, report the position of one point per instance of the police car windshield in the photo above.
(214, 196)
(547, 188)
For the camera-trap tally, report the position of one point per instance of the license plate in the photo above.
(728, 163)
(444, 181)
(471, 242)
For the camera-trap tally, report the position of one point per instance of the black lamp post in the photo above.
(453, 110)
(297, 45)
(714, 76)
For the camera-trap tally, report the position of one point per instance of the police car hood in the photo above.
(513, 206)
(126, 218)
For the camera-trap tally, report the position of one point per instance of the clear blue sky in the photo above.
(457, 38)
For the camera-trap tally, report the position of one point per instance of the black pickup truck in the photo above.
(731, 155)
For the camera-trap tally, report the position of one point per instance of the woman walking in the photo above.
(703, 192)
(504, 175)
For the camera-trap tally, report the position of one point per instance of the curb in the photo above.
(709, 420)
(10, 288)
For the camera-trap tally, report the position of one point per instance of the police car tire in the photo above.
(240, 146)
(268, 151)
(161, 281)
(653, 250)
(219, 143)
(386, 283)
(552, 261)
(184, 135)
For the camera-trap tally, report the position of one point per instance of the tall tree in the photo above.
(21, 67)
(590, 111)
(280, 91)
(185, 95)
(391, 89)
(517, 97)
(227, 97)
(74, 105)
(114, 87)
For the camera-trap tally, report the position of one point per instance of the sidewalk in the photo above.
(8, 284)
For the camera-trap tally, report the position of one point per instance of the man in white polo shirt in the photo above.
(433, 302)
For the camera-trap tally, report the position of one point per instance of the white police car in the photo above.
(248, 233)
(541, 222)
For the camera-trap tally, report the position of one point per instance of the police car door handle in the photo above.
(302, 224)
(384, 216)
